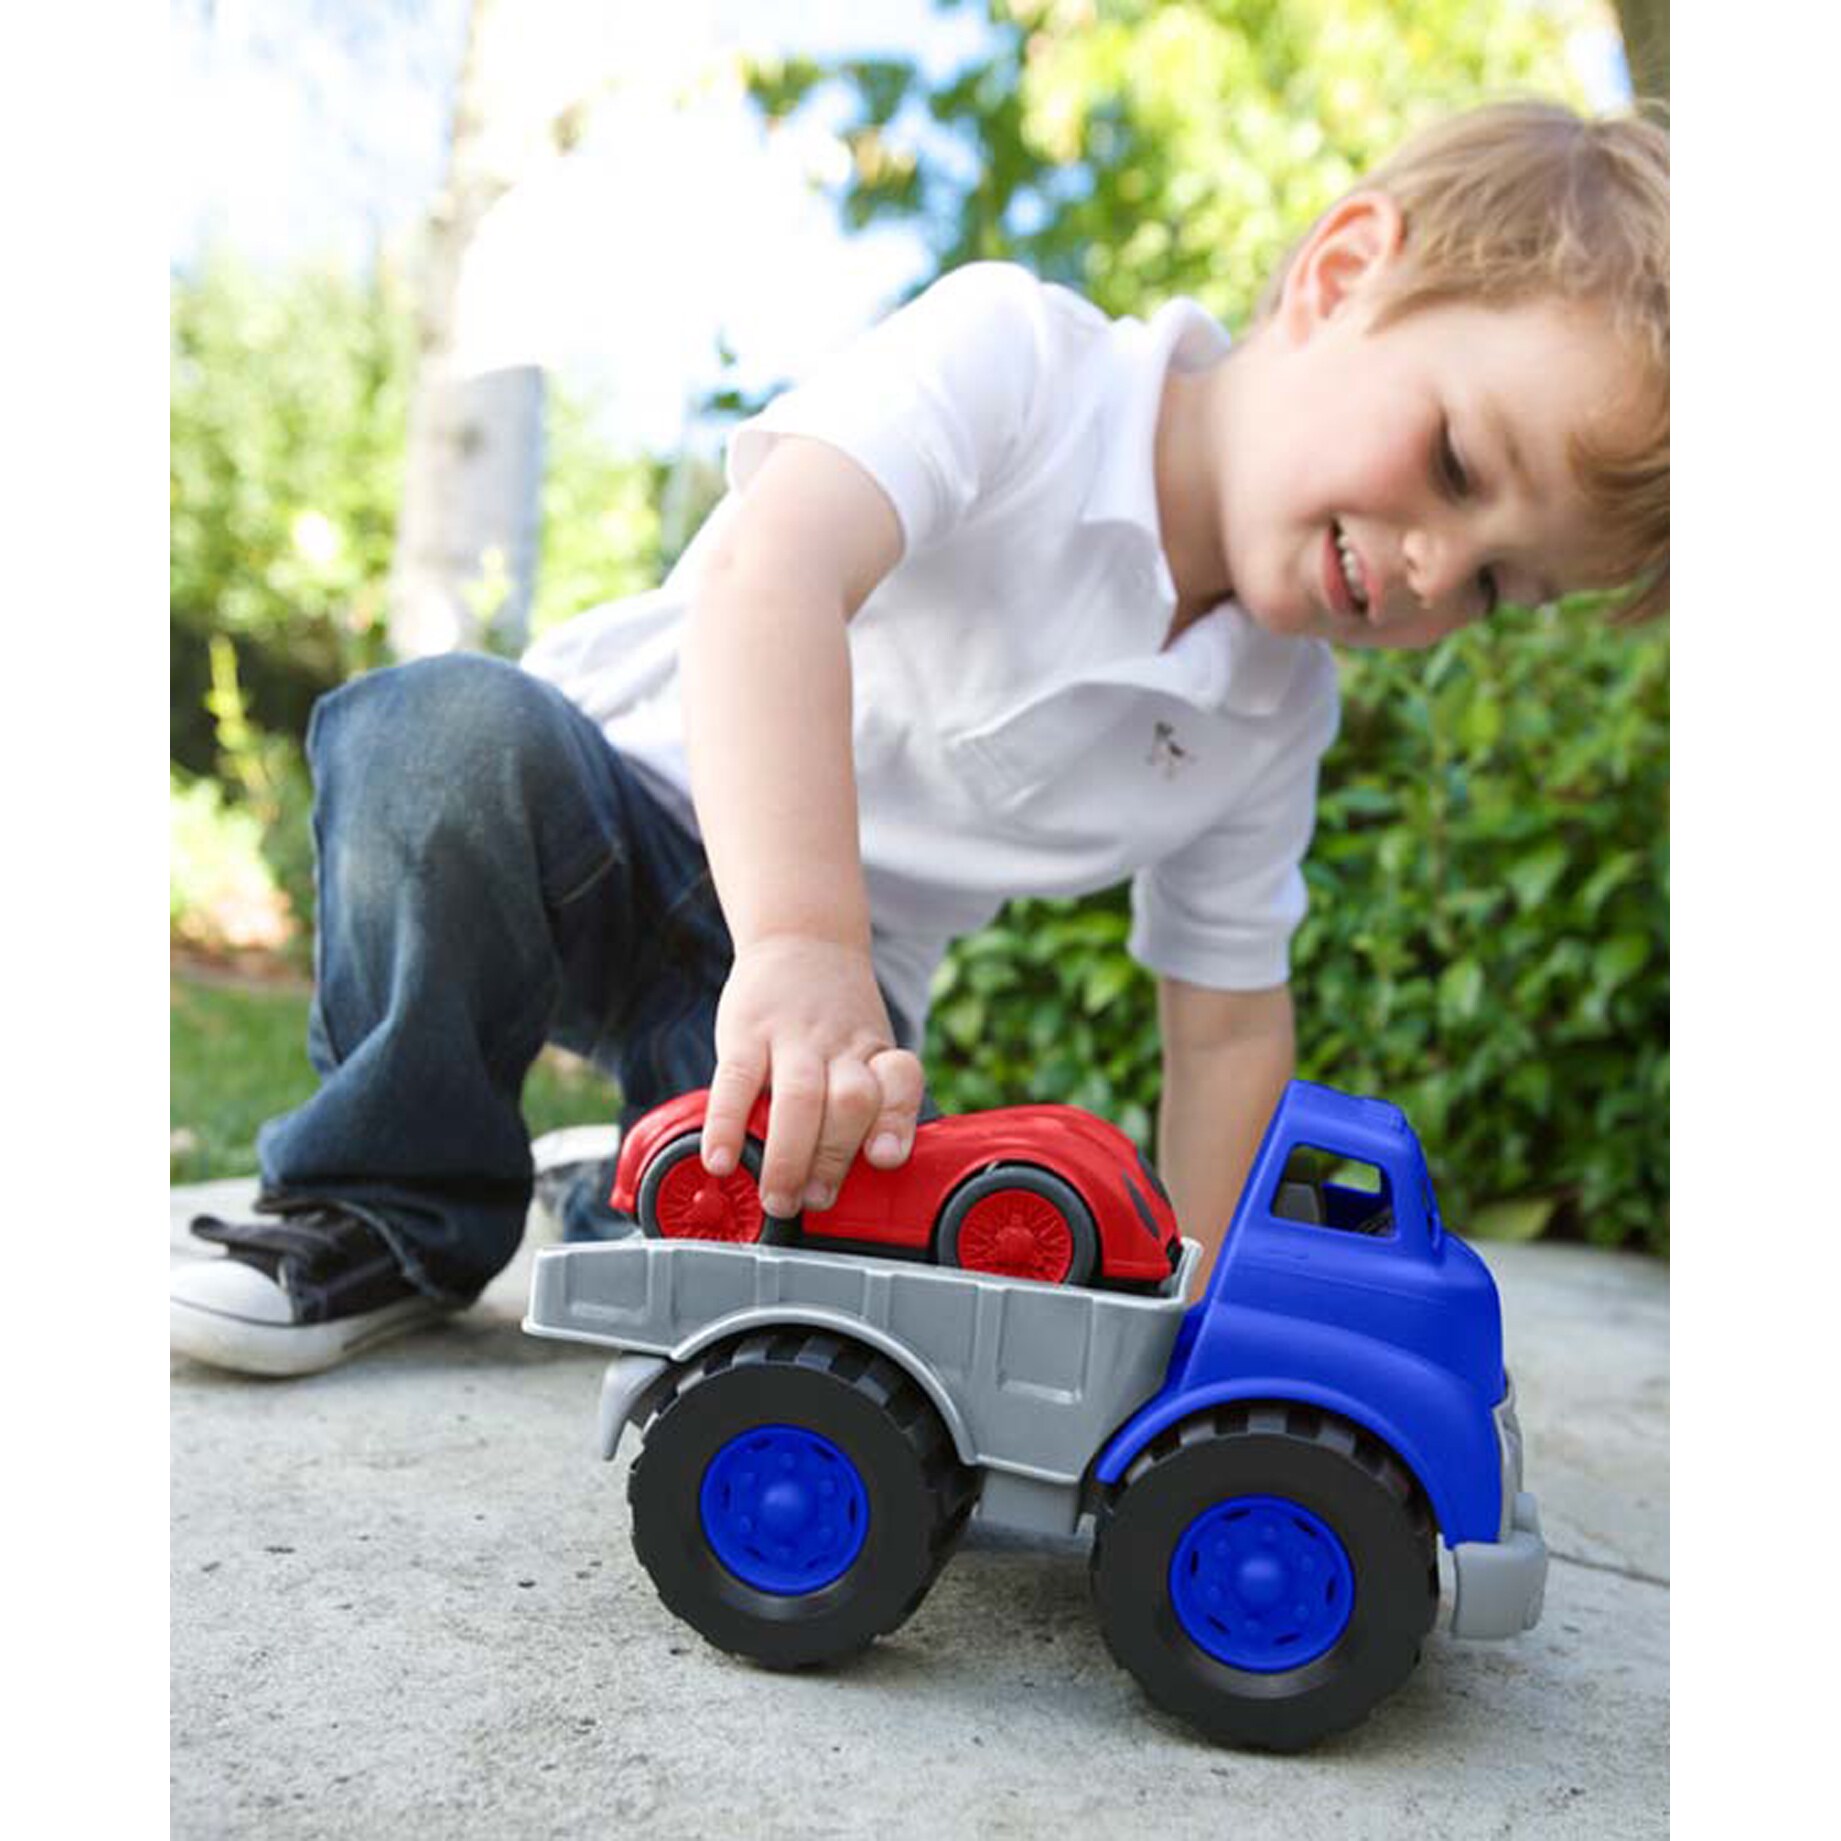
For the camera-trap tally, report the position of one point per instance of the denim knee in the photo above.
(449, 719)
(430, 749)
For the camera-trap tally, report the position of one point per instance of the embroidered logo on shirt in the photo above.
(1167, 752)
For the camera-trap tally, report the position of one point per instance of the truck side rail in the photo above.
(1029, 1378)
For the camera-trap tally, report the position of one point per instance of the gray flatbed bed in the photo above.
(1030, 1379)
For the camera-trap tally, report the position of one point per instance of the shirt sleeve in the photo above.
(1221, 911)
(932, 402)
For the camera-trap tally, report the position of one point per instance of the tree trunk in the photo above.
(466, 545)
(1644, 24)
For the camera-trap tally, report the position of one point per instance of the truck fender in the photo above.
(1453, 1521)
(850, 1329)
(624, 1387)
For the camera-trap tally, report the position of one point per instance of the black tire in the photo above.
(1344, 1479)
(776, 1230)
(1038, 1185)
(917, 1495)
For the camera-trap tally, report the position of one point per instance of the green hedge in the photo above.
(1487, 942)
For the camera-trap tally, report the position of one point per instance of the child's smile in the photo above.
(1384, 486)
(1345, 581)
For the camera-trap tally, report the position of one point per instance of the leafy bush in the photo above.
(289, 403)
(289, 413)
(1044, 1004)
(1487, 942)
(222, 893)
(290, 397)
(599, 537)
(1153, 147)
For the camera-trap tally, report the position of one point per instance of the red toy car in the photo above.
(1040, 1192)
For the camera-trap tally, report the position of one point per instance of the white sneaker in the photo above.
(292, 1296)
(562, 1158)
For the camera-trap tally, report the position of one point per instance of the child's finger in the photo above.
(852, 1098)
(793, 1123)
(902, 1081)
(734, 1087)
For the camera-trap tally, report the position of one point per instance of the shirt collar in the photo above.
(1123, 488)
(1239, 667)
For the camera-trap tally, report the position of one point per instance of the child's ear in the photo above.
(1347, 250)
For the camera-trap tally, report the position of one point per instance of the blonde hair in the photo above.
(1520, 201)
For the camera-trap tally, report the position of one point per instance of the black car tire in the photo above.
(918, 1493)
(1326, 1466)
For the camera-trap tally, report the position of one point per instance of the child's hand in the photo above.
(804, 1015)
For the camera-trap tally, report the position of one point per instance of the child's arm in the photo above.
(1226, 1058)
(767, 690)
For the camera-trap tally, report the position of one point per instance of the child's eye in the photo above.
(1450, 467)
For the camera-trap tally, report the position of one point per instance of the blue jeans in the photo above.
(492, 876)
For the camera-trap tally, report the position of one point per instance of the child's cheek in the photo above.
(1384, 473)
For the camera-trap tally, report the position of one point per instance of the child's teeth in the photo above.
(1351, 574)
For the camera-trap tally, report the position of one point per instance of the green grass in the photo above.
(239, 1056)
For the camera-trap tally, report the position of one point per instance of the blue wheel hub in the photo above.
(784, 1509)
(1261, 1583)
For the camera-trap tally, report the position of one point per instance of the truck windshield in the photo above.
(1322, 1189)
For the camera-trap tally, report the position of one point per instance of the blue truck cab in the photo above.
(1344, 1291)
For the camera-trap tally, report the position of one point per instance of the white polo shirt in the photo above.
(1020, 727)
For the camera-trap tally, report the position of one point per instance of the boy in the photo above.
(1009, 599)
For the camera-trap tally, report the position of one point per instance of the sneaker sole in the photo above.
(285, 1349)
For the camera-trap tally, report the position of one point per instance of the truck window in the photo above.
(1434, 1221)
(1321, 1189)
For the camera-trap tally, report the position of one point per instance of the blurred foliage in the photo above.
(1487, 942)
(1488, 936)
(238, 1056)
(289, 396)
(1136, 149)
(222, 895)
(289, 410)
(290, 401)
(266, 773)
(601, 527)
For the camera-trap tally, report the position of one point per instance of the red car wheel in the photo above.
(680, 1200)
(1017, 1222)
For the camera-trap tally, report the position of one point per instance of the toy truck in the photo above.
(1267, 1471)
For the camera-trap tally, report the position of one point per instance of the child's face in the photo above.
(1390, 486)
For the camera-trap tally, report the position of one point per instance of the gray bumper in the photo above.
(1500, 1584)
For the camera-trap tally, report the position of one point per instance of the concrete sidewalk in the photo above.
(404, 1605)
